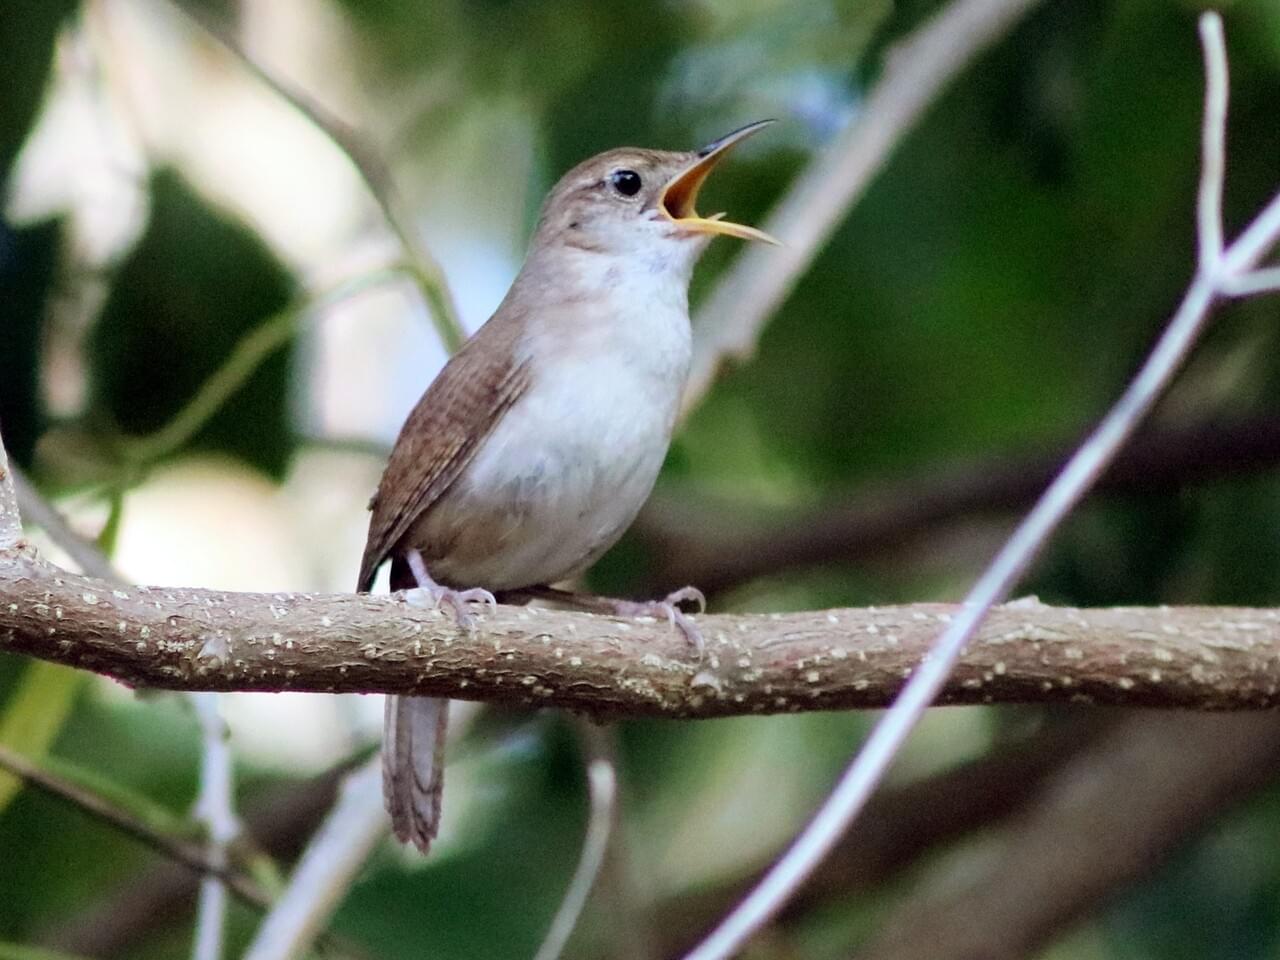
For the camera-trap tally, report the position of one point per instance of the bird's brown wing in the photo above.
(457, 412)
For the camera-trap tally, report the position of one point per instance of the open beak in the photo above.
(679, 196)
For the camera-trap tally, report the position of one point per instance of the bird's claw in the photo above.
(430, 595)
(685, 595)
(669, 606)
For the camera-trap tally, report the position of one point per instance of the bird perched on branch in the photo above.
(532, 451)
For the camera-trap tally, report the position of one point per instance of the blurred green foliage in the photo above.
(990, 294)
(195, 285)
(28, 29)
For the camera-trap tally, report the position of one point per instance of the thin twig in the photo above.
(190, 854)
(371, 168)
(720, 547)
(10, 518)
(334, 855)
(916, 72)
(903, 826)
(602, 792)
(871, 763)
(241, 363)
(1074, 846)
(41, 513)
(1213, 148)
(327, 869)
(278, 823)
(1253, 284)
(215, 802)
(215, 809)
(1257, 240)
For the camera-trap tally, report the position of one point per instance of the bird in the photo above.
(533, 449)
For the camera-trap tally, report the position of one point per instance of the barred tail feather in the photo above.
(413, 766)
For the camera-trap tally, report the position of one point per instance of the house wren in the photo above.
(533, 450)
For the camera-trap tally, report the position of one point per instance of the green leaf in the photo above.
(197, 285)
(28, 258)
(34, 715)
(110, 532)
(124, 799)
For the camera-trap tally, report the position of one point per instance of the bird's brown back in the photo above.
(442, 434)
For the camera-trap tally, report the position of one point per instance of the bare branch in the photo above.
(278, 824)
(872, 762)
(916, 72)
(1253, 284)
(185, 852)
(1258, 239)
(327, 869)
(903, 825)
(369, 165)
(602, 792)
(719, 548)
(215, 808)
(1213, 144)
(188, 639)
(10, 520)
(1076, 845)
(41, 513)
(334, 855)
(215, 803)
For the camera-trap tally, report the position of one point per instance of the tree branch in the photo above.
(1099, 449)
(334, 855)
(215, 804)
(10, 520)
(215, 810)
(369, 165)
(327, 869)
(598, 749)
(718, 548)
(151, 900)
(901, 826)
(190, 639)
(189, 854)
(1077, 844)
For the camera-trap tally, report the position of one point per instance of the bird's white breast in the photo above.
(567, 468)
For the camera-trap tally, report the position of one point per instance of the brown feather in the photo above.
(456, 413)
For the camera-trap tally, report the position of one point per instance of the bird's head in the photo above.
(634, 202)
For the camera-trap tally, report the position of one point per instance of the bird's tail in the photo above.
(413, 766)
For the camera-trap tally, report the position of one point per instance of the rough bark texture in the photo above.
(190, 639)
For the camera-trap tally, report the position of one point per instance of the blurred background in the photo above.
(209, 338)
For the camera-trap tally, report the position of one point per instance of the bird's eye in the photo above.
(626, 182)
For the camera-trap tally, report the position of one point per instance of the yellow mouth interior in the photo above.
(680, 196)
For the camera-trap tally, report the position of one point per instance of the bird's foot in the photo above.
(431, 595)
(669, 606)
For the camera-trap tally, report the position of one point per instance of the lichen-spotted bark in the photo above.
(192, 639)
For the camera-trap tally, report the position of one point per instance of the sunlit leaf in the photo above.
(35, 713)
